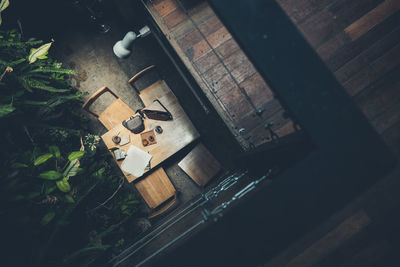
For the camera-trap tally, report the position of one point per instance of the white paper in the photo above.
(136, 161)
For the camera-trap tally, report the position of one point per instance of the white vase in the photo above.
(122, 48)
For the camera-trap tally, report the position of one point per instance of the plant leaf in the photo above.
(3, 5)
(72, 168)
(55, 151)
(69, 199)
(6, 109)
(54, 70)
(19, 44)
(50, 189)
(99, 173)
(50, 88)
(63, 185)
(42, 159)
(36, 103)
(32, 195)
(17, 165)
(35, 53)
(47, 218)
(75, 155)
(50, 175)
(43, 56)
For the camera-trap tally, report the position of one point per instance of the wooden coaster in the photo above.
(148, 138)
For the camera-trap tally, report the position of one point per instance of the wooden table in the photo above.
(176, 134)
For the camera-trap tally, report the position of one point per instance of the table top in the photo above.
(176, 134)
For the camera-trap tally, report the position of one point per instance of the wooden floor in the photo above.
(359, 40)
(225, 74)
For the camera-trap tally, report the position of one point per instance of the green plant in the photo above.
(60, 175)
(32, 82)
(44, 190)
(3, 5)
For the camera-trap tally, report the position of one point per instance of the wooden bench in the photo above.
(200, 165)
(158, 192)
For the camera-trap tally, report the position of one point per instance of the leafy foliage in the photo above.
(36, 83)
(44, 187)
(39, 53)
(3, 5)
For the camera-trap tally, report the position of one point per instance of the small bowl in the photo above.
(116, 139)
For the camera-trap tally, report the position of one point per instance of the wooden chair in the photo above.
(158, 192)
(154, 91)
(114, 114)
(200, 165)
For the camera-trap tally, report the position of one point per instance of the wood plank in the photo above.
(270, 108)
(165, 7)
(286, 129)
(372, 18)
(227, 48)
(249, 121)
(374, 71)
(373, 52)
(201, 13)
(352, 49)
(206, 62)
(380, 95)
(181, 29)
(216, 73)
(343, 232)
(198, 50)
(243, 71)
(224, 85)
(200, 165)
(330, 47)
(190, 39)
(319, 28)
(218, 37)
(155, 188)
(210, 26)
(277, 119)
(236, 103)
(258, 135)
(387, 119)
(254, 124)
(299, 10)
(175, 17)
(325, 24)
(257, 90)
(235, 60)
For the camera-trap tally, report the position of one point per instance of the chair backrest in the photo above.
(140, 74)
(114, 114)
(94, 97)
